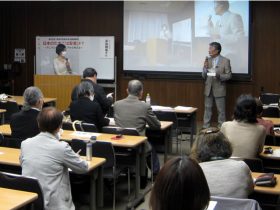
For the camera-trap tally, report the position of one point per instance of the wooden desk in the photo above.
(274, 155)
(20, 100)
(186, 119)
(165, 130)
(5, 129)
(188, 116)
(267, 190)
(15, 199)
(2, 116)
(10, 156)
(275, 120)
(135, 142)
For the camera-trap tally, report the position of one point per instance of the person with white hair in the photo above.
(24, 123)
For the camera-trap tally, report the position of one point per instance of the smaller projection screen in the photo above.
(82, 52)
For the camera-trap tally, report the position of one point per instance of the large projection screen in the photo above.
(173, 37)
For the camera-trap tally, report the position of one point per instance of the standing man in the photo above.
(24, 123)
(47, 158)
(105, 101)
(216, 71)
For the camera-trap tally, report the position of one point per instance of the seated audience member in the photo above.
(133, 113)
(180, 185)
(24, 123)
(268, 125)
(86, 109)
(226, 177)
(47, 158)
(105, 102)
(246, 136)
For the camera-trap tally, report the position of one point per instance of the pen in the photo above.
(79, 151)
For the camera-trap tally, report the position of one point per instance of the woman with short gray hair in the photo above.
(226, 177)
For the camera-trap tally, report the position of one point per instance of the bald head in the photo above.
(135, 88)
(49, 120)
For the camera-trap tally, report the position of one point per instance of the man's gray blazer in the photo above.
(218, 86)
(133, 113)
(48, 160)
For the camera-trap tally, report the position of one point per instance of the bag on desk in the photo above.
(267, 180)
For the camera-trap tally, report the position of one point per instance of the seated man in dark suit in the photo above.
(133, 113)
(24, 123)
(105, 102)
(86, 109)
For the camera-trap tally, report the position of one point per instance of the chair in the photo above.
(89, 127)
(255, 164)
(269, 98)
(171, 116)
(67, 126)
(19, 182)
(2, 141)
(104, 150)
(11, 108)
(235, 203)
(12, 142)
(124, 154)
(271, 112)
(83, 126)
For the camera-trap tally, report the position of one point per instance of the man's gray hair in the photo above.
(134, 87)
(85, 88)
(31, 96)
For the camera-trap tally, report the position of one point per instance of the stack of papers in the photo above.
(276, 152)
(183, 108)
(212, 205)
(84, 134)
(162, 108)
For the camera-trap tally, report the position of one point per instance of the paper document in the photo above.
(183, 108)
(112, 121)
(212, 205)
(162, 108)
(84, 134)
(276, 152)
(211, 74)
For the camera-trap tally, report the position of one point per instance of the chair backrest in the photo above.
(11, 108)
(271, 112)
(67, 126)
(2, 141)
(83, 126)
(89, 127)
(235, 203)
(119, 130)
(12, 142)
(255, 164)
(19, 182)
(269, 98)
(99, 149)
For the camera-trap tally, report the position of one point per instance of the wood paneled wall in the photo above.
(21, 22)
(54, 86)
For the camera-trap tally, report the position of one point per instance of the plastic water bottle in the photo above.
(148, 99)
(89, 151)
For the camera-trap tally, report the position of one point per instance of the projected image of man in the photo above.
(228, 30)
(216, 71)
